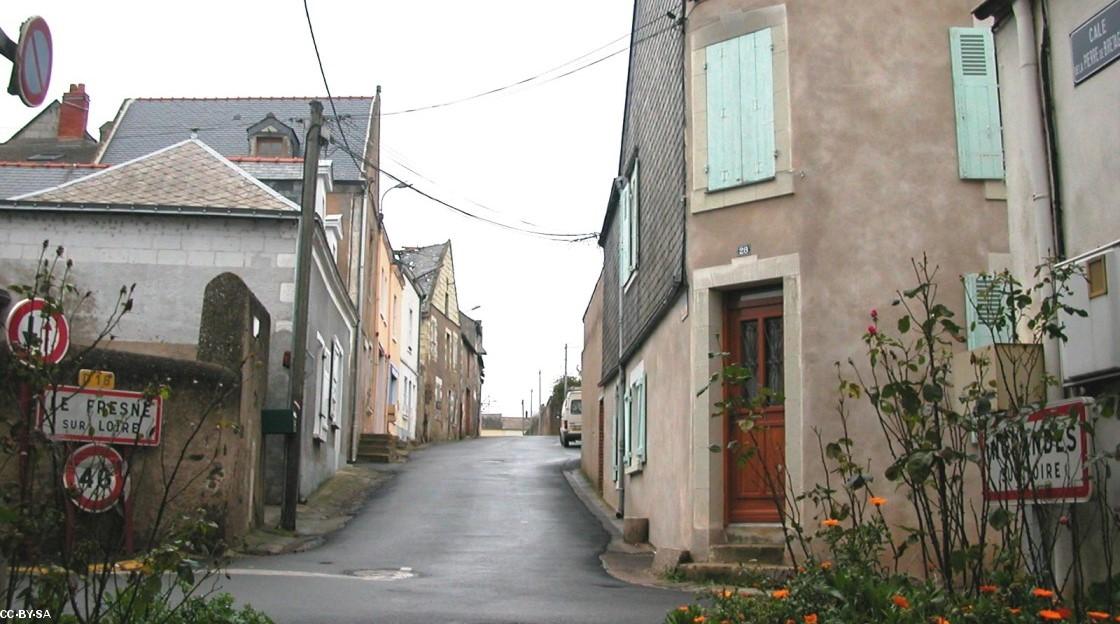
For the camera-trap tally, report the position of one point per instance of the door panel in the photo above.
(755, 479)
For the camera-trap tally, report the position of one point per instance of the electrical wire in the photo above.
(564, 237)
(327, 86)
(540, 78)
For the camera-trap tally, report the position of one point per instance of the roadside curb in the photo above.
(628, 563)
(327, 510)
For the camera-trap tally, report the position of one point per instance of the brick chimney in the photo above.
(74, 113)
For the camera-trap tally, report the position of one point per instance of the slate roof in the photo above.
(471, 332)
(145, 125)
(20, 178)
(26, 146)
(186, 174)
(422, 262)
(271, 168)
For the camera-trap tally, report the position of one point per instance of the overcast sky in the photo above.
(543, 154)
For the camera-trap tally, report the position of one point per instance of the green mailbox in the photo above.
(278, 420)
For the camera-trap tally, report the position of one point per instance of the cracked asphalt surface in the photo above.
(491, 532)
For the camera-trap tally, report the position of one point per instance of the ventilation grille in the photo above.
(974, 59)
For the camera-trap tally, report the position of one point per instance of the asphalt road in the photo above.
(492, 532)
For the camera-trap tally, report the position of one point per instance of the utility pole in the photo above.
(565, 372)
(523, 419)
(531, 406)
(540, 393)
(299, 317)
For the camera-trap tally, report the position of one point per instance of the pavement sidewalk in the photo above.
(328, 509)
(630, 563)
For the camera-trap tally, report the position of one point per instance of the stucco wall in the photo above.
(873, 182)
(591, 371)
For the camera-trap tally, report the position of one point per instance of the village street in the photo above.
(493, 533)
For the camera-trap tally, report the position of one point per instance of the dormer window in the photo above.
(272, 138)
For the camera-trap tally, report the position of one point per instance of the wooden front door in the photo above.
(753, 339)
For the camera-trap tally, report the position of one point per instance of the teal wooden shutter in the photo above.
(627, 412)
(635, 217)
(624, 236)
(725, 111)
(616, 456)
(640, 390)
(756, 67)
(976, 95)
(983, 305)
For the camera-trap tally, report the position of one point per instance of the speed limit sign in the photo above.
(94, 475)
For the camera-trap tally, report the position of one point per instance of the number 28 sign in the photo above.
(94, 476)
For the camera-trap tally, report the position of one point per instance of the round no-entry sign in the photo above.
(34, 57)
(36, 333)
(94, 476)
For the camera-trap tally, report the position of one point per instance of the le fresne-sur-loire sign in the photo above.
(1054, 468)
(74, 414)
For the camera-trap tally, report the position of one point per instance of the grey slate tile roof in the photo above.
(22, 178)
(471, 332)
(147, 125)
(422, 262)
(271, 169)
(185, 174)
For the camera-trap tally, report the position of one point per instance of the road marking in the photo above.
(301, 574)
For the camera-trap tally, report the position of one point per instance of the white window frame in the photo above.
(636, 420)
(338, 370)
(629, 201)
(322, 382)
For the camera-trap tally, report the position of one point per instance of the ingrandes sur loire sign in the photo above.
(1054, 467)
(74, 414)
(1096, 43)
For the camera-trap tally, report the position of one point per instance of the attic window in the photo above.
(270, 146)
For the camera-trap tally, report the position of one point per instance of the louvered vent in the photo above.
(989, 300)
(974, 60)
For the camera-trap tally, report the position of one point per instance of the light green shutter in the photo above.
(624, 236)
(635, 217)
(756, 67)
(976, 94)
(641, 408)
(983, 305)
(627, 412)
(616, 463)
(724, 108)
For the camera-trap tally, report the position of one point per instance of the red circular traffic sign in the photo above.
(34, 58)
(35, 333)
(94, 475)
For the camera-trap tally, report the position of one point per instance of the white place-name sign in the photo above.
(1054, 467)
(73, 414)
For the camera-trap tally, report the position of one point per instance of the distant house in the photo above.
(408, 336)
(171, 221)
(472, 375)
(441, 343)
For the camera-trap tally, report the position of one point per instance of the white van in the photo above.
(571, 418)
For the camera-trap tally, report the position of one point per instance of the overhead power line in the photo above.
(543, 77)
(326, 86)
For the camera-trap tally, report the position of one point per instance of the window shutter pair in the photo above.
(634, 422)
(985, 311)
(640, 408)
(740, 108)
(624, 233)
(335, 410)
(976, 96)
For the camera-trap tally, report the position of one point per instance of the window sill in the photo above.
(630, 280)
(630, 470)
(780, 185)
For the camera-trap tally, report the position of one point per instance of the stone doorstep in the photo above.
(731, 573)
(748, 553)
(761, 535)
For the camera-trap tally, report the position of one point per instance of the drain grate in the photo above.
(385, 574)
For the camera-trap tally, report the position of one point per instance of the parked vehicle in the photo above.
(571, 418)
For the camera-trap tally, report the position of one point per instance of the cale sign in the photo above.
(74, 414)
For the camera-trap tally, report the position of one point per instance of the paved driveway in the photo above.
(492, 533)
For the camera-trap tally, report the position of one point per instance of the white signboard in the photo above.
(1055, 468)
(74, 414)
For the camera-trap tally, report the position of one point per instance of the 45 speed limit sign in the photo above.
(94, 475)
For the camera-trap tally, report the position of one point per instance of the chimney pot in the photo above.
(74, 112)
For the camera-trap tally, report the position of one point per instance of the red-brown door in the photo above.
(753, 339)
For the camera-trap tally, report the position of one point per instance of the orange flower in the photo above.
(831, 522)
(1097, 615)
(1065, 612)
(682, 608)
(878, 501)
(1039, 592)
(725, 594)
(811, 618)
(900, 601)
(940, 620)
(699, 619)
(780, 594)
(1014, 610)
(988, 589)
(826, 565)
(1050, 614)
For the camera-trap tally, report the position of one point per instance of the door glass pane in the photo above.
(774, 357)
(749, 350)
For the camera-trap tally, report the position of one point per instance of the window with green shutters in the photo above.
(976, 96)
(986, 321)
(629, 213)
(739, 74)
(635, 423)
